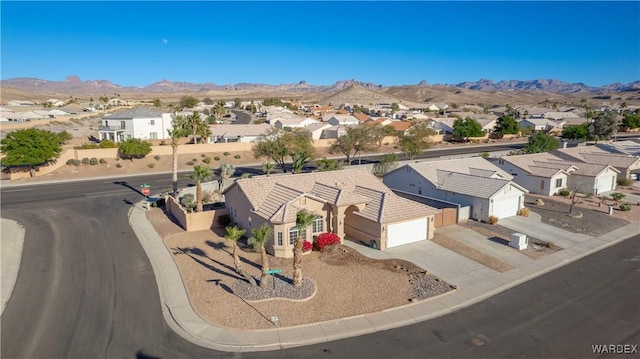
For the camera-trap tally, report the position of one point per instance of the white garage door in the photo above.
(506, 207)
(407, 232)
(604, 184)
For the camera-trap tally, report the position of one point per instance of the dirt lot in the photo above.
(347, 283)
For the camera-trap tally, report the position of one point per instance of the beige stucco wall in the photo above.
(362, 229)
(195, 221)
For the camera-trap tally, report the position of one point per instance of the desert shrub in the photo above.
(484, 155)
(307, 246)
(326, 239)
(87, 146)
(624, 181)
(493, 220)
(151, 165)
(207, 196)
(616, 196)
(237, 157)
(85, 161)
(156, 157)
(216, 158)
(117, 159)
(203, 155)
(625, 207)
(70, 161)
(102, 161)
(108, 144)
(524, 212)
(76, 162)
(589, 195)
(118, 165)
(189, 163)
(206, 160)
(224, 220)
(564, 192)
(93, 161)
(188, 202)
(194, 160)
(226, 153)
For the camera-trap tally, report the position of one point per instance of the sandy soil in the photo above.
(347, 283)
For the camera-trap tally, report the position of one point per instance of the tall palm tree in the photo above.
(303, 220)
(260, 236)
(194, 123)
(177, 131)
(233, 234)
(300, 159)
(267, 167)
(225, 171)
(200, 173)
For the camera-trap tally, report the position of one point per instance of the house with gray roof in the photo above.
(140, 122)
(473, 182)
(352, 203)
(625, 163)
(245, 133)
(545, 173)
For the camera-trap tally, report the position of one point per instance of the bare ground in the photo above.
(471, 253)
(347, 283)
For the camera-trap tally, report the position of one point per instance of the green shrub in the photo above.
(625, 207)
(151, 165)
(108, 144)
(226, 153)
(216, 158)
(189, 163)
(624, 182)
(224, 220)
(103, 161)
(70, 161)
(616, 196)
(237, 157)
(76, 162)
(203, 155)
(117, 159)
(188, 202)
(206, 160)
(564, 192)
(118, 165)
(85, 161)
(194, 160)
(156, 157)
(93, 161)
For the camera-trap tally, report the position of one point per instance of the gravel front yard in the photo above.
(347, 283)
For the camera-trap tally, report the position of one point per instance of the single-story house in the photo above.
(538, 124)
(238, 133)
(382, 121)
(316, 130)
(351, 203)
(473, 182)
(628, 147)
(443, 125)
(345, 120)
(538, 173)
(362, 117)
(401, 127)
(624, 163)
(294, 121)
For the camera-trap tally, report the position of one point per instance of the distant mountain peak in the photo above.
(423, 83)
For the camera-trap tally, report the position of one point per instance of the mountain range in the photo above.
(74, 85)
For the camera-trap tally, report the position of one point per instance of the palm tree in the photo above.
(303, 220)
(233, 234)
(175, 133)
(300, 159)
(194, 123)
(260, 236)
(200, 173)
(225, 171)
(267, 167)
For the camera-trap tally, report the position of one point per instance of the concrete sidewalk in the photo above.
(475, 283)
(11, 241)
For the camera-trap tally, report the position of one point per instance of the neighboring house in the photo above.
(443, 125)
(290, 122)
(333, 131)
(20, 103)
(344, 120)
(488, 125)
(625, 164)
(552, 115)
(473, 182)
(316, 130)
(401, 127)
(382, 121)
(138, 123)
(352, 203)
(628, 147)
(538, 124)
(362, 117)
(239, 133)
(543, 173)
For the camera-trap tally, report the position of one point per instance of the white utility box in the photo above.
(518, 241)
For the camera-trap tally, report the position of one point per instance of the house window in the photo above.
(558, 182)
(317, 225)
(542, 185)
(153, 135)
(121, 137)
(128, 137)
(279, 239)
(123, 124)
(152, 122)
(293, 235)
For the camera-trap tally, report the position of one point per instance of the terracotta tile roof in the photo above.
(400, 126)
(272, 197)
(361, 116)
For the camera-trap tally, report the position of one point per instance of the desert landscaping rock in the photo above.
(426, 286)
(284, 289)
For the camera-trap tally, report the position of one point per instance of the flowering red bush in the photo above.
(326, 239)
(307, 246)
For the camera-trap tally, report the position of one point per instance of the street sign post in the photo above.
(274, 317)
(146, 189)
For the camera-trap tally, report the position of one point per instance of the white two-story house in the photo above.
(138, 123)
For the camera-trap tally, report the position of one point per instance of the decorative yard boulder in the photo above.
(539, 202)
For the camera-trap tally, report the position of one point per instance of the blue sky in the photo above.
(389, 43)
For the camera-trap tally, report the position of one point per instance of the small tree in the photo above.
(225, 172)
(467, 128)
(267, 167)
(303, 220)
(200, 173)
(233, 234)
(300, 159)
(631, 120)
(30, 148)
(379, 132)
(64, 137)
(260, 236)
(326, 164)
(177, 131)
(388, 162)
(188, 102)
(541, 142)
(355, 140)
(416, 140)
(575, 132)
(506, 125)
(134, 148)
(603, 126)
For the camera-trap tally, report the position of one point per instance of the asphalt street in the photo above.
(85, 289)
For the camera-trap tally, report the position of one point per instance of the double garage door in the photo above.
(407, 232)
(506, 207)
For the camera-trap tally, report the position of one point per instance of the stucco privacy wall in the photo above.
(194, 221)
